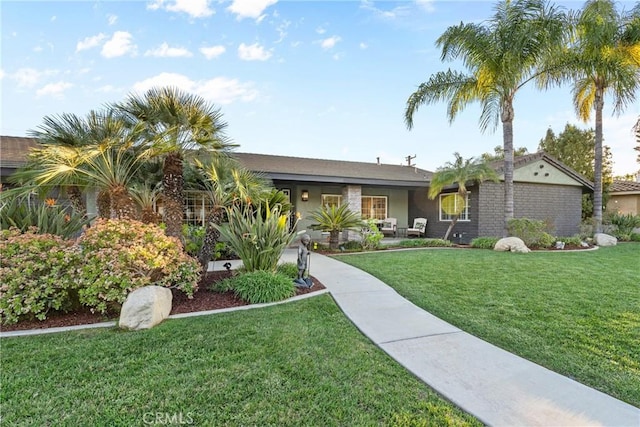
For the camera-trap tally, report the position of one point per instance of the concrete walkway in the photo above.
(497, 387)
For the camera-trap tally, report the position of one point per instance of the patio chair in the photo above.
(389, 226)
(419, 227)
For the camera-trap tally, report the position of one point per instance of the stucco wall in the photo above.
(624, 204)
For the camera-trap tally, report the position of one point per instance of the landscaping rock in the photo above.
(512, 244)
(603, 239)
(145, 307)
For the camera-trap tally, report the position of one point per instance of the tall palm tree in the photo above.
(176, 124)
(460, 173)
(224, 183)
(603, 59)
(501, 56)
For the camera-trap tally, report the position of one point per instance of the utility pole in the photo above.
(409, 158)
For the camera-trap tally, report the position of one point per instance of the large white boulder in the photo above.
(512, 244)
(145, 307)
(603, 239)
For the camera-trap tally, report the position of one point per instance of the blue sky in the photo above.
(322, 79)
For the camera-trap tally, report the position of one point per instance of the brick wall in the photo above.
(560, 205)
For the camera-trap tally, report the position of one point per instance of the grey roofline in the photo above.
(340, 180)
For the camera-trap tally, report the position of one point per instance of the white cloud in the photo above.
(426, 5)
(220, 90)
(54, 89)
(363, 45)
(193, 8)
(90, 42)
(53, 18)
(2, 74)
(107, 89)
(250, 8)
(253, 52)
(320, 30)
(211, 52)
(37, 49)
(165, 51)
(397, 12)
(120, 44)
(29, 77)
(330, 42)
(112, 19)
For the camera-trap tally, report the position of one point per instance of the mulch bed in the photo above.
(203, 300)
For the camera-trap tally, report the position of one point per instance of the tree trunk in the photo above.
(334, 239)
(76, 199)
(210, 238)
(173, 195)
(454, 220)
(122, 204)
(149, 216)
(507, 135)
(597, 173)
(103, 203)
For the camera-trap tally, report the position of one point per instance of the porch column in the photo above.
(352, 195)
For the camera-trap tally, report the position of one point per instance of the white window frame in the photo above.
(367, 215)
(324, 196)
(464, 215)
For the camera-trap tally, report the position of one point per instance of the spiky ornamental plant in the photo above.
(224, 183)
(258, 237)
(335, 219)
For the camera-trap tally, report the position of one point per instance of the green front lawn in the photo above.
(295, 364)
(575, 313)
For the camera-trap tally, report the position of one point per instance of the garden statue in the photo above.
(303, 263)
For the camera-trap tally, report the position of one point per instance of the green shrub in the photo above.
(289, 269)
(371, 236)
(484, 242)
(545, 240)
(623, 224)
(634, 237)
(263, 286)
(49, 218)
(35, 275)
(352, 246)
(532, 232)
(224, 251)
(193, 238)
(123, 255)
(587, 228)
(574, 240)
(419, 243)
(258, 238)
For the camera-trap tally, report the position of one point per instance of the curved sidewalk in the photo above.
(498, 387)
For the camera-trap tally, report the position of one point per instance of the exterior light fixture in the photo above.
(304, 195)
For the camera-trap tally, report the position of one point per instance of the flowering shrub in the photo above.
(123, 255)
(34, 274)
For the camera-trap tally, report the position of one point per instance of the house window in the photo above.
(331, 200)
(197, 207)
(374, 207)
(452, 204)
